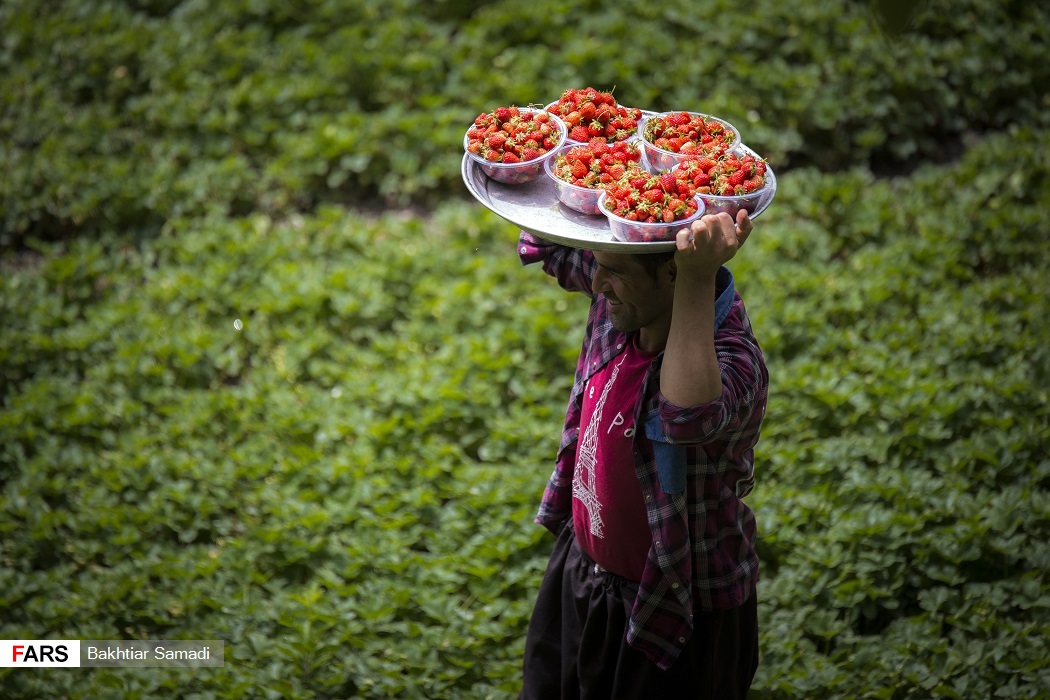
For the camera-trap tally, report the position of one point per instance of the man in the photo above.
(650, 589)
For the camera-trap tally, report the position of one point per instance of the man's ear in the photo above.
(671, 271)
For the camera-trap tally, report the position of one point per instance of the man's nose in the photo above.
(599, 281)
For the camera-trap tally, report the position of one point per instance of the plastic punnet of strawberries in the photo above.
(581, 171)
(727, 184)
(512, 135)
(590, 113)
(597, 163)
(689, 134)
(649, 199)
(731, 174)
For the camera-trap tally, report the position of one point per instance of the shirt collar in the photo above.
(725, 298)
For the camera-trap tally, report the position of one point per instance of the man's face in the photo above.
(636, 300)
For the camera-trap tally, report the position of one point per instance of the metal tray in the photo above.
(534, 207)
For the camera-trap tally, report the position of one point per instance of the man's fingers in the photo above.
(743, 223)
(684, 239)
(724, 229)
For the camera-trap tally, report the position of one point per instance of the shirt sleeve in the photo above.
(573, 268)
(738, 411)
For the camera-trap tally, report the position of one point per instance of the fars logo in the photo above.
(41, 653)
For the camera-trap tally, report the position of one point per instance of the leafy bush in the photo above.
(234, 405)
(907, 503)
(342, 488)
(123, 115)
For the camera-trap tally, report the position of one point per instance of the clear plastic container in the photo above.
(526, 170)
(659, 159)
(638, 232)
(581, 199)
(752, 201)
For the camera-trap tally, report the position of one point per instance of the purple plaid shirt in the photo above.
(695, 464)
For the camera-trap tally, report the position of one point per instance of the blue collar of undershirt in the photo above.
(725, 298)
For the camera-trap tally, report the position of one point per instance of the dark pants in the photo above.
(576, 645)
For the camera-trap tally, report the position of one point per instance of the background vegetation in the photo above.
(267, 375)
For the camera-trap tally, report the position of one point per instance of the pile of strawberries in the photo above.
(689, 134)
(730, 175)
(648, 198)
(513, 135)
(596, 164)
(589, 113)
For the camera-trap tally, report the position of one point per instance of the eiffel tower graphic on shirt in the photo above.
(583, 487)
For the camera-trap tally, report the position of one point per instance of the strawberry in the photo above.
(706, 164)
(496, 141)
(599, 147)
(654, 196)
(678, 119)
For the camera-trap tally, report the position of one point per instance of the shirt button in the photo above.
(524, 250)
(619, 346)
(657, 544)
(681, 640)
(674, 585)
(648, 497)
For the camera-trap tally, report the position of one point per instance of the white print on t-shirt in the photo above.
(583, 487)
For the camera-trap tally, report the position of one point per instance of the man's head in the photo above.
(652, 262)
(639, 290)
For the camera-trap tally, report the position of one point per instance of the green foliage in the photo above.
(317, 439)
(122, 115)
(322, 440)
(907, 503)
(235, 406)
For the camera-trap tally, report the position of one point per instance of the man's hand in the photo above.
(710, 242)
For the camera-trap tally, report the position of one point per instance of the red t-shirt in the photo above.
(608, 510)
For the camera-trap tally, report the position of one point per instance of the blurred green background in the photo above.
(269, 375)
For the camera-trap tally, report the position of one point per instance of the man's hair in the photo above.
(652, 262)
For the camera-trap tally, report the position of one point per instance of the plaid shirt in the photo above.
(694, 464)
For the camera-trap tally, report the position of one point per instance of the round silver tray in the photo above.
(535, 207)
